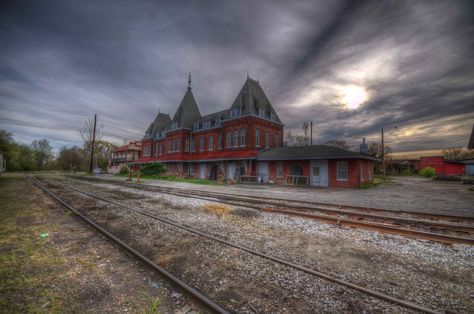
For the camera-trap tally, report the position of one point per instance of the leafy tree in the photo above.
(457, 153)
(338, 143)
(71, 159)
(42, 153)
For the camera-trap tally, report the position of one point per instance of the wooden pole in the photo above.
(311, 132)
(383, 155)
(91, 165)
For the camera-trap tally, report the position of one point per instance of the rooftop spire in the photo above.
(189, 80)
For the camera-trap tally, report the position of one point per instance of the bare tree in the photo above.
(87, 134)
(306, 130)
(337, 143)
(295, 140)
(457, 153)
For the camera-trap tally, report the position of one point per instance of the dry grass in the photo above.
(217, 209)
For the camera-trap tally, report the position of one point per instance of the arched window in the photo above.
(267, 139)
(236, 138)
(243, 137)
(277, 140)
(257, 137)
(178, 145)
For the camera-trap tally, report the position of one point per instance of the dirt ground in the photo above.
(52, 262)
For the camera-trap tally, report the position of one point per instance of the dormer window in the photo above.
(272, 117)
(235, 112)
(261, 112)
(174, 125)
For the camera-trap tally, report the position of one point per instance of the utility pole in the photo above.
(91, 165)
(311, 132)
(383, 155)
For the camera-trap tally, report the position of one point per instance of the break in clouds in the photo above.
(351, 67)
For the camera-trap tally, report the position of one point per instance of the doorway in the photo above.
(319, 172)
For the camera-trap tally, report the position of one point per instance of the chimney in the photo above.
(363, 147)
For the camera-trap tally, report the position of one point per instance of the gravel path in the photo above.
(405, 193)
(442, 275)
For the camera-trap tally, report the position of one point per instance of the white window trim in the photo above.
(337, 171)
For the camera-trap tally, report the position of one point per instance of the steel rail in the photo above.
(330, 278)
(370, 225)
(175, 280)
(260, 198)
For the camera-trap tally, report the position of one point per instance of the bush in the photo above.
(428, 172)
(155, 168)
(407, 172)
(123, 170)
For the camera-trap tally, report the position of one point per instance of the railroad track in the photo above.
(440, 228)
(193, 292)
(202, 299)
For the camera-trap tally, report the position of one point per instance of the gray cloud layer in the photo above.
(61, 61)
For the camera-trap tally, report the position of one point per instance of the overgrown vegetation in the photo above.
(428, 172)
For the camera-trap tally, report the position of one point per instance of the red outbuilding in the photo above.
(245, 143)
(443, 166)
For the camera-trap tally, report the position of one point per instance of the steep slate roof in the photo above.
(251, 97)
(309, 152)
(188, 111)
(470, 145)
(161, 122)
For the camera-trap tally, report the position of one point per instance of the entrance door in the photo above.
(319, 173)
(230, 170)
(263, 172)
(202, 171)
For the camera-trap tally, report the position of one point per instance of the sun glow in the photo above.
(354, 96)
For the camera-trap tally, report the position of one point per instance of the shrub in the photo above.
(123, 170)
(407, 172)
(155, 168)
(428, 172)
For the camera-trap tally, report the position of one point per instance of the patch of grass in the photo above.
(217, 209)
(378, 180)
(27, 262)
(172, 179)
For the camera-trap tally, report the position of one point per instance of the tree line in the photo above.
(39, 155)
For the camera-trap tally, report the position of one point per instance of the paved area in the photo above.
(404, 193)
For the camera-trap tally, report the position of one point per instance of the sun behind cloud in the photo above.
(354, 96)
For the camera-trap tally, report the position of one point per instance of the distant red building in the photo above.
(123, 155)
(245, 143)
(442, 166)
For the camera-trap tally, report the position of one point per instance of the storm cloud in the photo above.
(63, 61)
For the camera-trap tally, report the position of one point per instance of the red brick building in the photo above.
(244, 143)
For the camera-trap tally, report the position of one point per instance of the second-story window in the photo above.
(229, 139)
(211, 143)
(160, 152)
(267, 139)
(257, 137)
(236, 138)
(201, 144)
(243, 137)
(220, 141)
(277, 140)
(170, 146)
(178, 145)
(193, 146)
(186, 145)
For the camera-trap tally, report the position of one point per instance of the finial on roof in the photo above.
(189, 80)
(247, 75)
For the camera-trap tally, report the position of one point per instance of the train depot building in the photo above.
(244, 143)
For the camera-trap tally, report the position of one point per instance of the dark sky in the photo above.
(412, 62)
